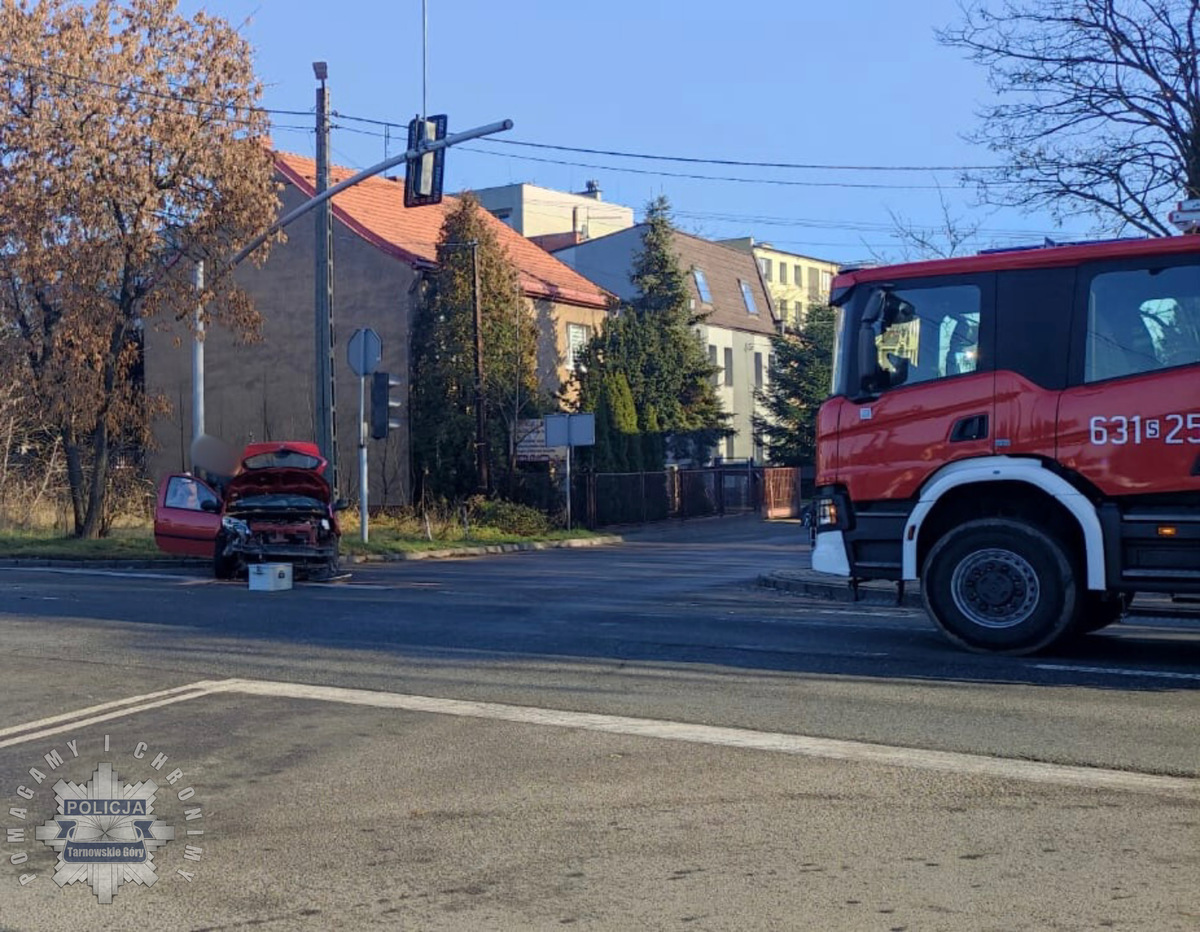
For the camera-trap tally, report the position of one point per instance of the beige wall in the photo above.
(265, 391)
(553, 319)
(738, 399)
(536, 211)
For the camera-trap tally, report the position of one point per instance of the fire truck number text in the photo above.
(1170, 428)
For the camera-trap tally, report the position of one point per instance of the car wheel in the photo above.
(1001, 586)
(224, 567)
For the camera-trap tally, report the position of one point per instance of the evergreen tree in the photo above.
(652, 343)
(800, 376)
(442, 365)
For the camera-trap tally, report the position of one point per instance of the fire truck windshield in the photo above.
(903, 336)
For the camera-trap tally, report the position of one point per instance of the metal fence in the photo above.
(604, 499)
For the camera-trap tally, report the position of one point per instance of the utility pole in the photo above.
(198, 357)
(481, 459)
(324, 405)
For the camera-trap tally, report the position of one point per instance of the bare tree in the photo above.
(939, 241)
(1100, 106)
(130, 138)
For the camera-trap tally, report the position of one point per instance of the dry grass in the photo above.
(46, 535)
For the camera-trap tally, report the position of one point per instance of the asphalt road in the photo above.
(624, 737)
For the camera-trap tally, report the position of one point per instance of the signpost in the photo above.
(1186, 216)
(364, 351)
(570, 430)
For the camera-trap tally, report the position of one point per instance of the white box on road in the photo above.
(270, 577)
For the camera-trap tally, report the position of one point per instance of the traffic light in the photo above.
(382, 404)
(423, 174)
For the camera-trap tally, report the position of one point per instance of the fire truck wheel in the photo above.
(1001, 586)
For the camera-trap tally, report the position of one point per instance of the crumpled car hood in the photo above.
(275, 482)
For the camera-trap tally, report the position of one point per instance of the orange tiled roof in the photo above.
(374, 209)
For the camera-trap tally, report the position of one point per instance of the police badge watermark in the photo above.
(106, 831)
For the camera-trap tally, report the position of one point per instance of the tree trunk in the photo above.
(75, 478)
(98, 487)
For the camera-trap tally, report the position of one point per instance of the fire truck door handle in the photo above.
(969, 428)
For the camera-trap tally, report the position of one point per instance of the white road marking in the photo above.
(776, 742)
(120, 574)
(57, 724)
(1118, 671)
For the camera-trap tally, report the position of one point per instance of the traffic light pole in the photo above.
(490, 130)
(364, 533)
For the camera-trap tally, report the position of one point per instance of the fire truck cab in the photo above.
(1019, 431)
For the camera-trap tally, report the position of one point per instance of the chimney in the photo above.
(592, 190)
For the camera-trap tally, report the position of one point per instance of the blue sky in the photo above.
(852, 83)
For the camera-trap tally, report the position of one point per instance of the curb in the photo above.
(443, 554)
(838, 591)
(452, 552)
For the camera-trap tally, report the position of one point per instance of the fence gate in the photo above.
(781, 492)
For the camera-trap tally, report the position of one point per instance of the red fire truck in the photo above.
(1019, 431)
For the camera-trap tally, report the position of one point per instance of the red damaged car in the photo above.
(276, 508)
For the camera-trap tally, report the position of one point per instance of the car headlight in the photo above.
(235, 526)
(325, 524)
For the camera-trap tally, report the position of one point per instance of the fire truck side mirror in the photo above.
(868, 360)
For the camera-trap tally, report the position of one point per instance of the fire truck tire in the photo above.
(997, 585)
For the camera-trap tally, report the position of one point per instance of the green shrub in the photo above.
(509, 517)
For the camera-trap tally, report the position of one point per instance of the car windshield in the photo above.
(290, 459)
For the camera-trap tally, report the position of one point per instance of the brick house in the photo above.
(265, 390)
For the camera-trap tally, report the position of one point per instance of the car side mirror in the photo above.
(211, 506)
(341, 505)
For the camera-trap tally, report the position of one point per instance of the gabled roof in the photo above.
(374, 209)
(724, 268)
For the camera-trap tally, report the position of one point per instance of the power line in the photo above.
(740, 163)
(727, 178)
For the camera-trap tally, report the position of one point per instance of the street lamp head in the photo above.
(321, 70)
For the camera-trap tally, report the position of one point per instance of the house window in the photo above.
(728, 365)
(578, 336)
(826, 281)
(728, 448)
(765, 265)
(748, 297)
(712, 361)
(758, 370)
(702, 286)
(783, 273)
(783, 308)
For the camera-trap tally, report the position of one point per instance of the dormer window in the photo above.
(702, 286)
(748, 297)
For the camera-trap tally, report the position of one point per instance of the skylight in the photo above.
(702, 285)
(748, 297)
